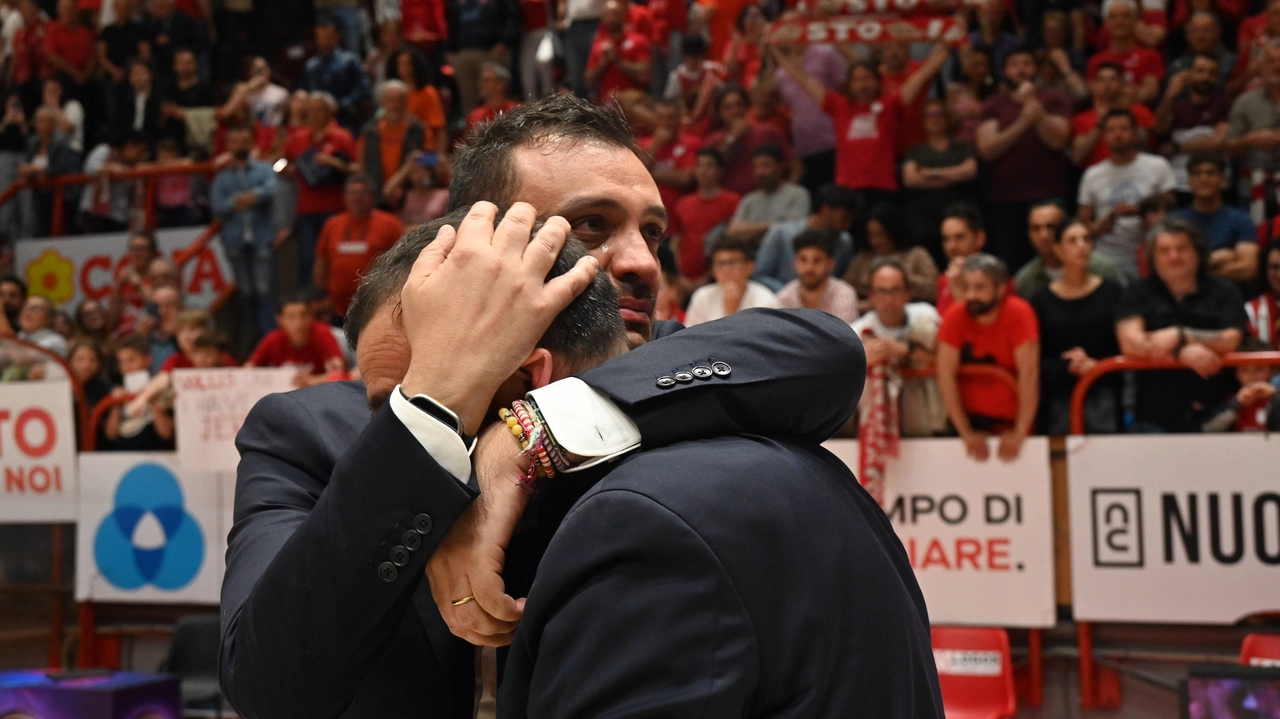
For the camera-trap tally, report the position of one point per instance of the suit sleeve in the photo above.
(306, 601)
(792, 373)
(642, 623)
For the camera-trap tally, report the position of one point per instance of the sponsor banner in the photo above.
(979, 535)
(70, 269)
(1174, 528)
(37, 452)
(211, 404)
(150, 531)
(869, 30)
(969, 663)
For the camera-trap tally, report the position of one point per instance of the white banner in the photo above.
(211, 404)
(70, 269)
(979, 535)
(149, 531)
(1175, 528)
(37, 452)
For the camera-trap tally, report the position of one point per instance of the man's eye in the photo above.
(590, 230)
(654, 235)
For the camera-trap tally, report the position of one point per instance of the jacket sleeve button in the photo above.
(387, 572)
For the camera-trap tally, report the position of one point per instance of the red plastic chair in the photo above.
(1261, 650)
(975, 669)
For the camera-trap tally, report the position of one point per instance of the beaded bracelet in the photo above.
(517, 431)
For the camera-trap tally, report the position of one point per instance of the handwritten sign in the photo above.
(210, 406)
(869, 30)
(37, 452)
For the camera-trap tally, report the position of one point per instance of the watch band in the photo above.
(446, 416)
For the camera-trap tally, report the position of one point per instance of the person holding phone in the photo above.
(416, 189)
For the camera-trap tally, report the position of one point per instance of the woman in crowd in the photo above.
(1077, 328)
(88, 366)
(888, 235)
(91, 321)
(411, 67)
(737, 136)
(937, 173)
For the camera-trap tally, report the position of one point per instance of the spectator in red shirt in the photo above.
(744, 57)
(192, 325)
(351, 240)
(896, 67)
(28, 66)
(1264, 310)
(867, 120)
(963, 235)
(620, 58)
(1143, 66)
(494, 79)
(697, 214)
(694, 81)
(68, 45)
(1251, 42)
(320, 155)
(301, 342)
(1107, 87)
(671, 153)
(736, 137)
(131, 291)
(990, 327)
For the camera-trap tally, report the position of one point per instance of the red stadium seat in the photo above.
(975, 670)
(1261, 650)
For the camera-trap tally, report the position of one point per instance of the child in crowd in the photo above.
(151, 428)
(191, 324)
(174, 204)
(88, 366)
(1256, 406)
(300, 342)
(322, 310)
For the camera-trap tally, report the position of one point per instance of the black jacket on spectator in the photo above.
(125, 112)
(324, 492)
(415, 135)
(170, 34)
(1179, 400)
(122, 41)
(498, 21)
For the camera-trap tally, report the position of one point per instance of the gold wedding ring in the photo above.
(464, 600)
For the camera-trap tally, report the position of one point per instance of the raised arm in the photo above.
(925, 73)
(790, 63)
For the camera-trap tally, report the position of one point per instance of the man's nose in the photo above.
(628, 254)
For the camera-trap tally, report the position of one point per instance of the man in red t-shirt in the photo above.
(328, 154)
(620, 57)
(1143, 66)
(1107, 86)
(697, 214)
(868, 121)
(494, 79)
(69, 46)
(672, 153)
(996, 328)
(350, 241)
(302, 342)
(896, 67)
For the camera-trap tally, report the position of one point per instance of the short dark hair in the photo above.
(1186, 228)
(13, 280)
(725, 243)
(1155, 203)
(1115, 67)
(168, 143)
(693, 45)
(1020, 49)
(891, 262)
(325, 19)
(359, 178)
(136, 342)
(869, 65)
(967, 213)
(713, 153)
(210, 339)
(836, 197)
(823, 240)
(769, 150)
(589, 329)
(1119, 112)
(483, 168)
(989, 265)
(297, 297)
(1206, 157)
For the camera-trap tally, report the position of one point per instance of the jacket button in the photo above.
(411, 540)
(721, 369)
(422, 524)
(684, 377)
(666, 382)
(399, 556)
(387, 572)
(701, 372)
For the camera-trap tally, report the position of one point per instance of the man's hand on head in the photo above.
(476, 303)
(470, 559)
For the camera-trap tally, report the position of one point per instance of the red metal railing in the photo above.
(1099, 686)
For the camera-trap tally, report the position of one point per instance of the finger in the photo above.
(473, 619)
(491, 595)
(482, 640)
(512, 236)
(560, 291)
(541, 253)
(434, 254)
(476, 229)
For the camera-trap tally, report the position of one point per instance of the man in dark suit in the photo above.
(324, 609)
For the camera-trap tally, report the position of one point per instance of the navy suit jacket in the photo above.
(311, 627)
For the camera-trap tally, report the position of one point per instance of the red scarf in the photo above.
(878, 427)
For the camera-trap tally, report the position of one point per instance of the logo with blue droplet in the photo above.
(149, 537)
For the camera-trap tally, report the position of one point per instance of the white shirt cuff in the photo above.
(441, 442)
(585, 422)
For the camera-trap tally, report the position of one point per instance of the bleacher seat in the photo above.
(975, 669)
(1261, 650)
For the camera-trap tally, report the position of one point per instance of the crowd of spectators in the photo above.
(1076, 180)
